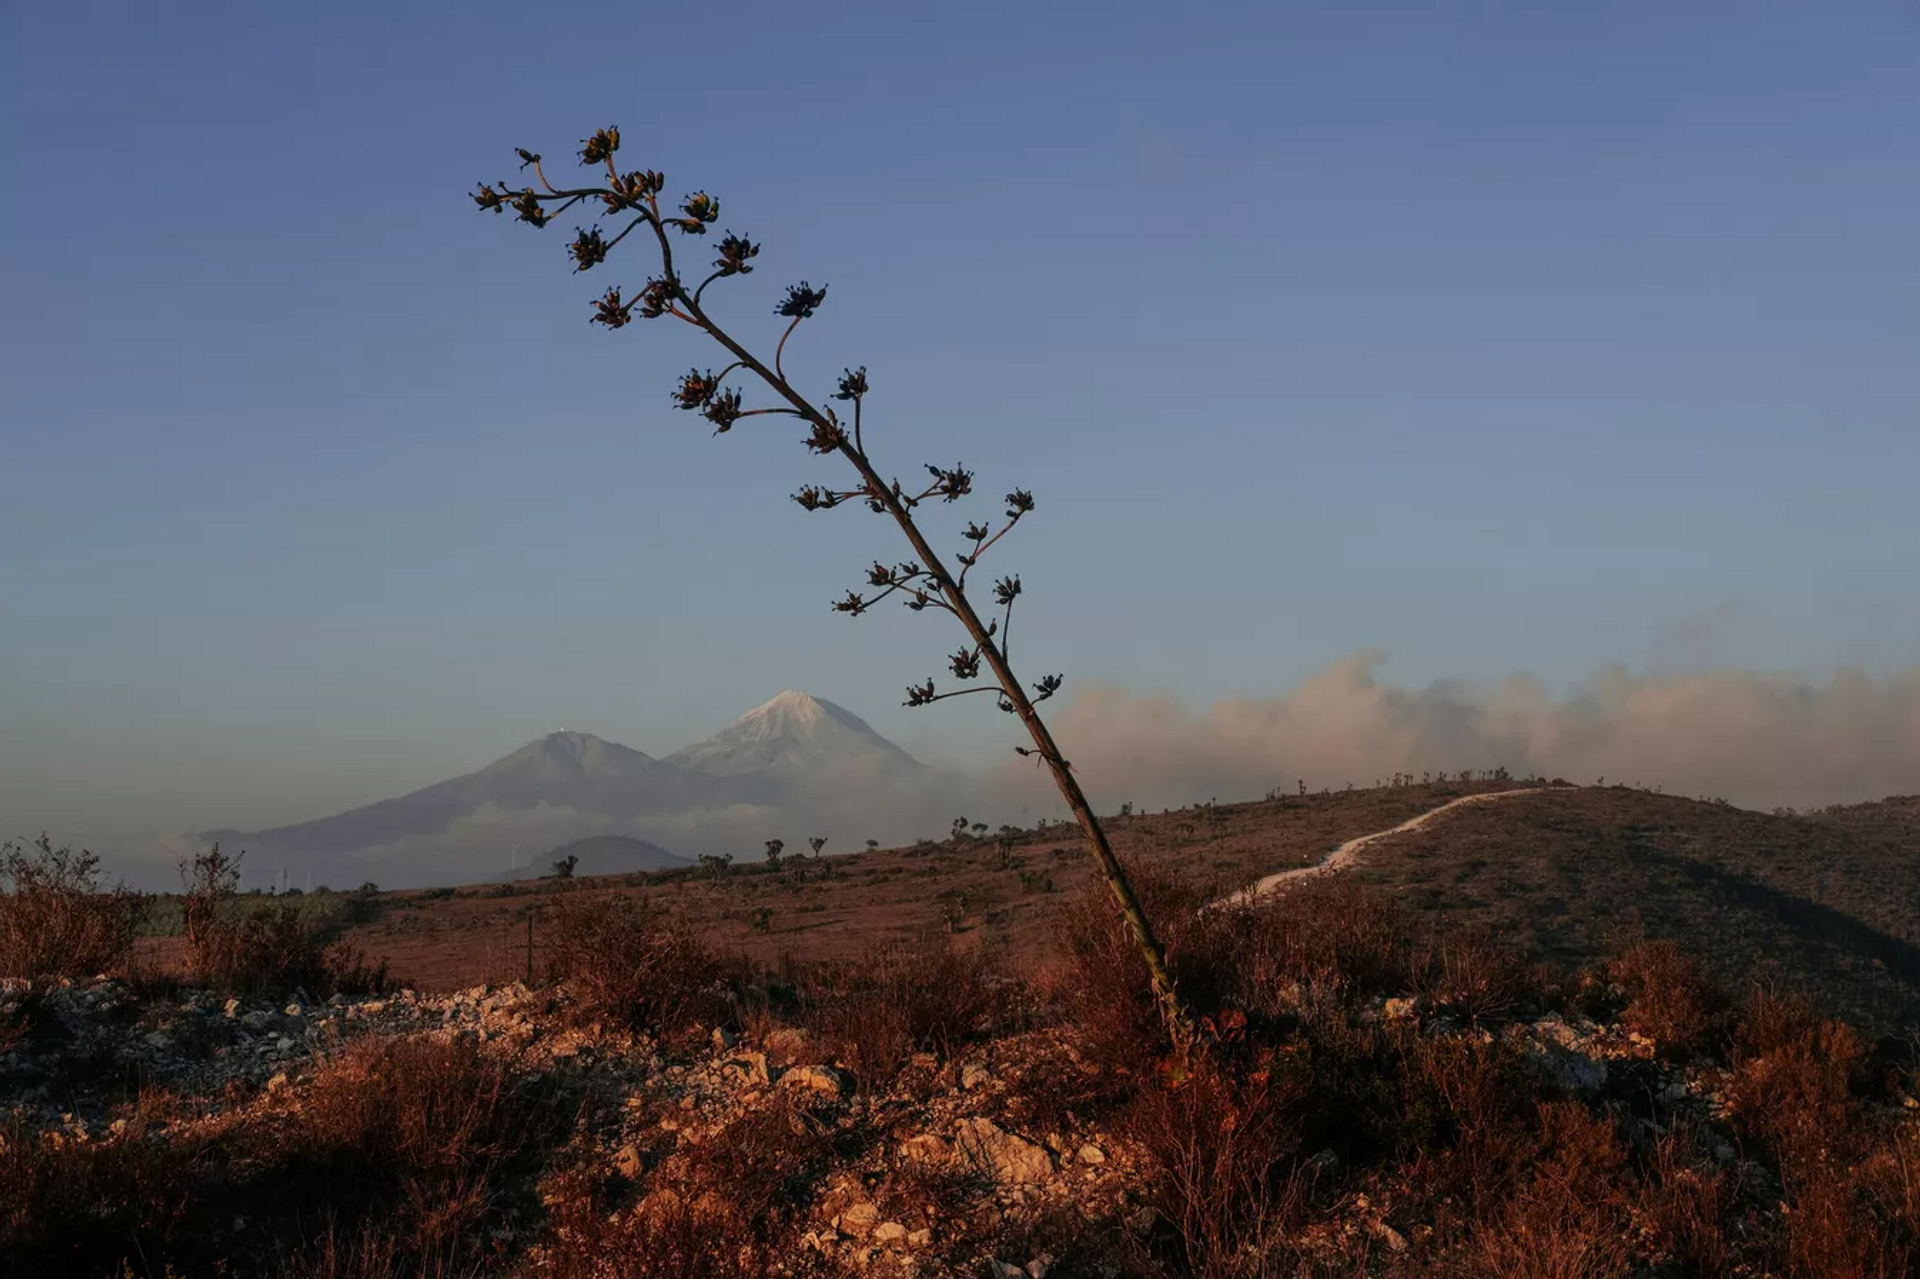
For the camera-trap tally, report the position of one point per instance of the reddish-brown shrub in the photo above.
(1473, 973)
(1327, 938)
(259, 948)
(1790, 1076)
(1108, 994)
(1687, 1204)
(258, 951)
(636, 964)
(1468, 1116)
(86, 1207)
(762, 1166)
(874, 1011)
(420, 1130)
(1224, 1145)
(1669, 998)
(55, 920)
(665, 1236)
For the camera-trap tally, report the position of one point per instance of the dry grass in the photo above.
(55, 919)
(632, 963)
(395, 1162)
(874, 1011)
(1669, 998)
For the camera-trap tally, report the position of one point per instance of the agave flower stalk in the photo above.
(927, 580)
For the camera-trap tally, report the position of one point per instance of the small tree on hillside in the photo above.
(927, 580)
(774, 848)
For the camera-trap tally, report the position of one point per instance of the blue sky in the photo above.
(1502, 337)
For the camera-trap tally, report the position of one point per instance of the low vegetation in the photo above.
(1385, 1087)
(1378, 1095)
(56, 918)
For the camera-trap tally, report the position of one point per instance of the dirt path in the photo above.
(1344, 856)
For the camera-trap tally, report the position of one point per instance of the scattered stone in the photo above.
(1008, 1159)
(1395, 1241)
(890, 1232)
(858, 1220)
(1007, 1270)
(823, 1079)
(787, 1044)
(921, 1238)
(926, 1147)
(751, 1067)
(1090, 1154)
(973, 1075)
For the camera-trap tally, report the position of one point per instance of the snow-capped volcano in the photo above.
(793, 733)
(793, 762)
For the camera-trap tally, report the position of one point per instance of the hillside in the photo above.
(603, 855)
(1377, 1091)
(1577, 873)
(1832, 907)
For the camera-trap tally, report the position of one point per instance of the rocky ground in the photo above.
(940, 1171)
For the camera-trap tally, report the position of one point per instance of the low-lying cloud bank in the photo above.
(1755, 739)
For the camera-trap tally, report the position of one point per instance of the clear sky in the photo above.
(1504, 337)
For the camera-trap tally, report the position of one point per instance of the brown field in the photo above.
(445, 939)
(1828, 903)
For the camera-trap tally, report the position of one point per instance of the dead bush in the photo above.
(415, 1136)
(261, 948)
(1669, 998)
(258, 951)
(55, 919)
(1228, 1184)
(1468, 1116)
(88, 1206)
(1477, 975)
(1688, 1204)
(762, 1166)
(665, 1236)
(1790, 1077)
(631, 962)
(874, 1011)
(1328, 938)
(1109, 995)
(1835, 1230)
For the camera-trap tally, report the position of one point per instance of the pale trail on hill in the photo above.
(1344, 856)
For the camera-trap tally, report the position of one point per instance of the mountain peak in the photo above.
(801, 707)
(792, 732)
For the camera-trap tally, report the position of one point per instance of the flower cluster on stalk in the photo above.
(704, 391)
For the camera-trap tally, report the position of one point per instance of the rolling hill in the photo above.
(1573, 875)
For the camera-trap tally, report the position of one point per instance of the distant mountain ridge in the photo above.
(571, 785)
